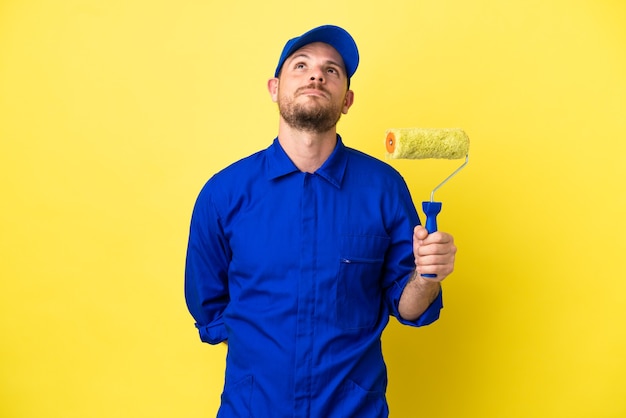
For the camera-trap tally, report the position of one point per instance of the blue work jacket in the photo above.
(300, 272)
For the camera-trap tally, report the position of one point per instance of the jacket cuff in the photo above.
(213, 333)
(430, 315)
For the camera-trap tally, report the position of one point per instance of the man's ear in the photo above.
(348, 102)
(272, 87)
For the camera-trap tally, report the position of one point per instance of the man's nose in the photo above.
(317, 75)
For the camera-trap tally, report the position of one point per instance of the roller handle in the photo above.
(431, 209)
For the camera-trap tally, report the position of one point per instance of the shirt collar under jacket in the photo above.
(333, 169)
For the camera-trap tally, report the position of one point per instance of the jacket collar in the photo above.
(333, 170)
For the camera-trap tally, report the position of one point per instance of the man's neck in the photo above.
(307, 150)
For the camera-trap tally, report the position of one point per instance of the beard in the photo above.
(312, 116)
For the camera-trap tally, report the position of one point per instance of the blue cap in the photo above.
(335, 36)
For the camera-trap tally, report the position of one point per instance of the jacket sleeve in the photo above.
(400, 262)
(206, 270)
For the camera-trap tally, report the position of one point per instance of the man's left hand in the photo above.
(434, 253)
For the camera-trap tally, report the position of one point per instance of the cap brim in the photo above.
(335, 36)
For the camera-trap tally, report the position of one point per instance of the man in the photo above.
(299, 253)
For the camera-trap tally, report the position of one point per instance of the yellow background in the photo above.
(113, 113)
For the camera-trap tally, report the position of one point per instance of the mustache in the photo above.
(315, 86)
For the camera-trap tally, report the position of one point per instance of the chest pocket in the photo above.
(359, 288)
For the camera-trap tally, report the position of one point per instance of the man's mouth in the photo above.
(312, 90)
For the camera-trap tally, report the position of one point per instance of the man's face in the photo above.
(311, 91)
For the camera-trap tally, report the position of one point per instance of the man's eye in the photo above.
(300, 65)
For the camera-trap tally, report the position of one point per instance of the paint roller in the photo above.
(423, 143)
